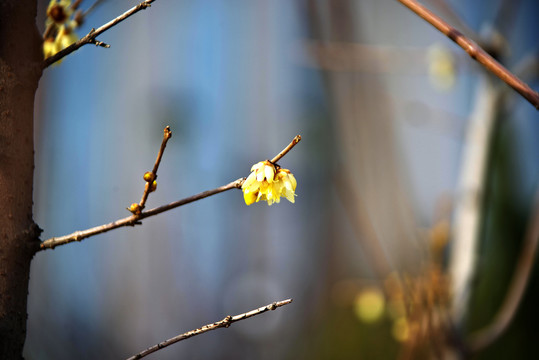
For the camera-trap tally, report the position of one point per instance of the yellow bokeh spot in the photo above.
(401, 329)
(442, 70)
(369, 305)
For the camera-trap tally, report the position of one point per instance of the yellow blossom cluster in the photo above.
(59, 32)
(268, 182)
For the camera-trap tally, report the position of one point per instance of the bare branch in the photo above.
(150, 177)
(138, 215)
(90, 38)
(294, 142)
(134, 219)
(226, 322)
(448, 12)
(475, 51)
(488, 335)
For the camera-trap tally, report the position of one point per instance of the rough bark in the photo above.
(20, 70)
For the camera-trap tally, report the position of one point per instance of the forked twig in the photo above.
(90, 38)
(226, 322)
(475, 51)
(136, 218)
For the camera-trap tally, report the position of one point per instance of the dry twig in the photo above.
(136, 218)
(90, 38)
(294, 142)
(475, 51)
(150, 177)
(226, 322)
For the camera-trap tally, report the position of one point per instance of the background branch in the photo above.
(90, 38)
(475, 51)
(226, 322)
(92, 8)
(488, 335)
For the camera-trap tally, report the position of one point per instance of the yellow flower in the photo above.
(59, 33)
(286, 183)
(59, 11)
(50, 47)
(266, 183)
(65, 37)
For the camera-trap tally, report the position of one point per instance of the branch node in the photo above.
(227, 321)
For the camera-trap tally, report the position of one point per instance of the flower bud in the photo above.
(149, 176)
(134, 208)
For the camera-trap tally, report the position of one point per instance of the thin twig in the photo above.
(226, 322)
(452, 16)
(167, 134)
(475, 51)
(488, 335)
(90, 38)
(294, 142)
(135, 219)
(92, 8)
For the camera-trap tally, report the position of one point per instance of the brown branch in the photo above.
(488, 335)
(226, 322)
(475, 51)
(150, 177)
(90, 38)
(134, 219)
(294, 142)
(137, 216)
(452, 16)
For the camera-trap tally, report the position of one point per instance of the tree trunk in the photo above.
(20, 70)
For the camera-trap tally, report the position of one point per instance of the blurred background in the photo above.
(416, 179)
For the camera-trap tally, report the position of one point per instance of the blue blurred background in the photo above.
(236, 80)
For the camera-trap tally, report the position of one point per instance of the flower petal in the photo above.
(269, 172)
